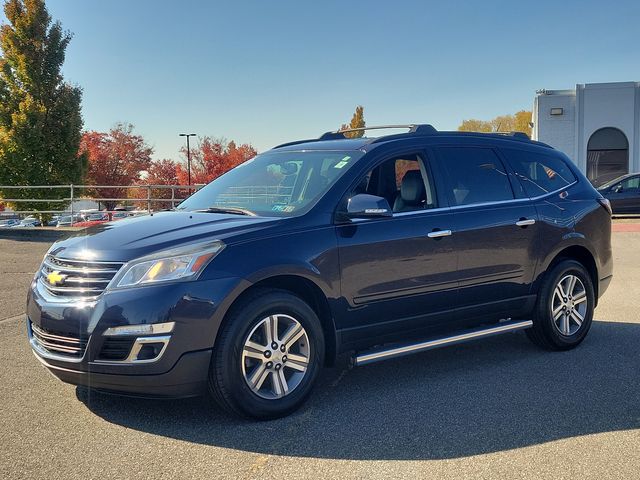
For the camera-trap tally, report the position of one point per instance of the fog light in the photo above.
(150, 351)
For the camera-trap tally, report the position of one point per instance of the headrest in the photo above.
(412, 188)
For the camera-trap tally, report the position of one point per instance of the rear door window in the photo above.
(475, 175)
(539, 173)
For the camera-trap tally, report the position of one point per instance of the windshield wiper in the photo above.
(231, 210)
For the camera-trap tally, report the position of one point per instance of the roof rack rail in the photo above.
(414, 129)
(419, 129)
(521, 135)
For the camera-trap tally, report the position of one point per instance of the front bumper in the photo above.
(196, 308)
(187, 378)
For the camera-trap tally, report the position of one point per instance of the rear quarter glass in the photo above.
(539, 173)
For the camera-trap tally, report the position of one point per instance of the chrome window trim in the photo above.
(460, 207)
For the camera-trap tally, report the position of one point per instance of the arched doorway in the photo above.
(607, 155)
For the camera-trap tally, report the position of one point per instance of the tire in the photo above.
(571, 324)
(235, 362)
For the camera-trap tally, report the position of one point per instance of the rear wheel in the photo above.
(267, 356)
(565, 307)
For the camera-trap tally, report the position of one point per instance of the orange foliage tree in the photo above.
(213, 157)
(160, 172)
(115, 158)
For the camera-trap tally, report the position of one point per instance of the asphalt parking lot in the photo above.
(499, 408)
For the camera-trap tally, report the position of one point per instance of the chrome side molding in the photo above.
(378, 355)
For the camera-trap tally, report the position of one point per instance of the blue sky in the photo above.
(269, 72)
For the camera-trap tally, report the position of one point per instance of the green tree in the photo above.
(519, 122)
(357, 121)
(40, 118)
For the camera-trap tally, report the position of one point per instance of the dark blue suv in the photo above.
(379, 247)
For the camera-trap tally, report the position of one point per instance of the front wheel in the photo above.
(564, 311)
(268, 355)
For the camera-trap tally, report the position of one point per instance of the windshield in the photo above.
(274, 183)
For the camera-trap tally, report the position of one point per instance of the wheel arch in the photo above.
(580, 254)
(303, 287)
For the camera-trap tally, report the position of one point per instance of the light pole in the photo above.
(188, 157)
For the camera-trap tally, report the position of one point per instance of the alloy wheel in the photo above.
(569, 305)
(275, 356)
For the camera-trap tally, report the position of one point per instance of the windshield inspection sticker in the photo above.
(283, 208)
(342, 162)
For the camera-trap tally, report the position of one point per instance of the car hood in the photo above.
(124, 240)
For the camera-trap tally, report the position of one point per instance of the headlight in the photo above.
(182, 263)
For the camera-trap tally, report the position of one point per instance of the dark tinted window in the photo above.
(540, 174)
(630, 184)
(402, 181)
(475, 175)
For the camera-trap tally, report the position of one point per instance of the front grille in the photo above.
(79, 279)
(58, 343)
(116, 348)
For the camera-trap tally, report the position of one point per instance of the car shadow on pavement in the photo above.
(498, 394)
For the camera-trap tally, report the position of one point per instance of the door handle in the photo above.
(439, 233)
(523, 222)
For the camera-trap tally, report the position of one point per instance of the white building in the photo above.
(597, 125)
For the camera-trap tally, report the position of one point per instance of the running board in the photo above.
(378, 355)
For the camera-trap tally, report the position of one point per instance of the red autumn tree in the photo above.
(160, 172)
(115, 158)
(213, 157)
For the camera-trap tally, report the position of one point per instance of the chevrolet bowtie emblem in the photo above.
(55, 278)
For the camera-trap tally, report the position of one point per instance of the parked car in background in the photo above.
(65, 221)
(53, 222)
(379, 247)
(11, 222)
(89, 220)
(623, 193)
(28, 222)
(97, 217)
(120, 215)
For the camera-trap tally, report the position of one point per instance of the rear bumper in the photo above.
(187, 378)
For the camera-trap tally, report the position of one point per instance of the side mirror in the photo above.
(368, 206)
(618, 188)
